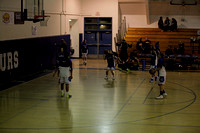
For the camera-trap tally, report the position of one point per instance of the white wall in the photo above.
(73, 7)
(73, 12)
(18, 31)
(74, 32)
(190, 13)
(10, 4)
(60, 11)
(139, 21)
(137, 18)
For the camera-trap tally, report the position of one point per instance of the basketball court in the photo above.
(126, 104)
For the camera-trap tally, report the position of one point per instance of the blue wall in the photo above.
(24, 57)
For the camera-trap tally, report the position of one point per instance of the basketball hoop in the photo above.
(40, 17)
(43, 19)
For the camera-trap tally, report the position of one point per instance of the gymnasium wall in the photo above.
(60, 11)
(29, 48)
(18, 31)
(26, 49)
(186, 16)
(140, 21)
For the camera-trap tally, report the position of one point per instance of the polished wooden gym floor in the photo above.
(125, 105)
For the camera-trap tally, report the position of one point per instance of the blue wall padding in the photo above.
(34, 55)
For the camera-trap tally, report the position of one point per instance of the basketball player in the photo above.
(64, 69)
(111, 64)
(84, 50)
(161, 76)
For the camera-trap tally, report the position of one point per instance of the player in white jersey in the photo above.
(161, 76)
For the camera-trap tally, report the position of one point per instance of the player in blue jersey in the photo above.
(64, 69)
(110, 57)
(84, 50)
(153, 64)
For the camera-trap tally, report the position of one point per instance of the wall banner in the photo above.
(18, 18)
(8, 17)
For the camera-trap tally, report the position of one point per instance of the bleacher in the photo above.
(167, 39)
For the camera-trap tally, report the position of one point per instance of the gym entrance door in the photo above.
(98, 33)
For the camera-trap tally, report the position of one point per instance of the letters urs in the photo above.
(9, 61)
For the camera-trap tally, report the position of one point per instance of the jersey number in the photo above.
(161, 79)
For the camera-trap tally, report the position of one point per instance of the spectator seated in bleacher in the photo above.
(193, 40)
(169, 51)
(171, 62)
(160, 23)
(134, 61)
(198, 40)
(139, 45)
(181, 49)
(166, 24)
(186, 62)
(171, 59)
(173, 26)
(147, 46)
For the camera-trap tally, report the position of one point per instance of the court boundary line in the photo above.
(128, 100)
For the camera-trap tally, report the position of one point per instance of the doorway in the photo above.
(98, 42)
(98, 33)
(74, 36)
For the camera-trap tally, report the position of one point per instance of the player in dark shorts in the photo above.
(110, 57)
(84, 50)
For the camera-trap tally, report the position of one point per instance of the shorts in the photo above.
(110, 68)
(64, 75)
(84, 55)
(161, 80)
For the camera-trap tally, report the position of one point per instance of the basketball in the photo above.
(152, 71)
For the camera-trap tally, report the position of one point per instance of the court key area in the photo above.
(124, 105)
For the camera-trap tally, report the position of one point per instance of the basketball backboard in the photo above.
(33, 10)
(183, 2)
